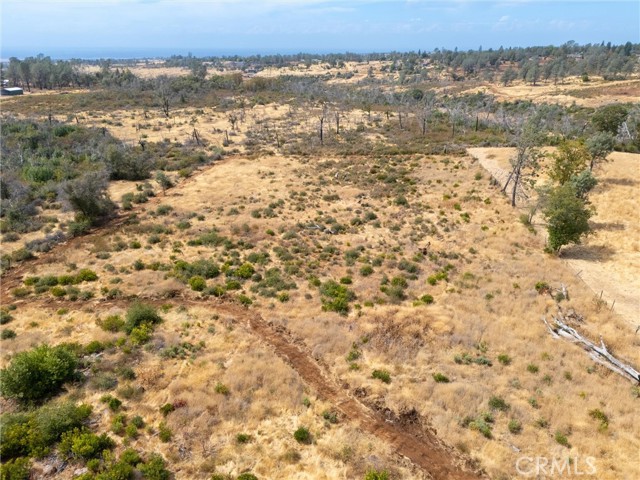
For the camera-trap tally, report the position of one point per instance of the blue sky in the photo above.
(160, 27)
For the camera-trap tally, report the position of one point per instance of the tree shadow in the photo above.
(608, 226)
(626, 182)
(590, 253)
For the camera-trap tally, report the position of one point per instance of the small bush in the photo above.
(139, 314)
(376, 475)
(155, 468)
(112, 402)
(440, 378)
(533, 368)
(197, 283)
(330, 416)
(5, 317)
(515, 426)
(247, 476)
(498, 403)
(382, 375)
(599, 415)
(222, 389)
(562, 439)
(164, 433)
(427, 299)
(504, 359)
(86, 275)
(81, 443)
(302, 435)
(166, 409)
(7, 334)
(113, 323)
(243, 438)
(366, 270)
(17, 469)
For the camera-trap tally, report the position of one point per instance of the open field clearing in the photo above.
(440, 229)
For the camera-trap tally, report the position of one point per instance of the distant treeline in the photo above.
(531, 64)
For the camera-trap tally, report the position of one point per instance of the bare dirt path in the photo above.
(404, 431)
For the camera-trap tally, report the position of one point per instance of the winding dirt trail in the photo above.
(405, 432)
(408, 434)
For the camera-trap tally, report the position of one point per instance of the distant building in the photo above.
(11, 91)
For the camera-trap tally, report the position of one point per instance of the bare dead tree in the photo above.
(526, 161)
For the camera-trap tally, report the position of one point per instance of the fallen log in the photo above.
(599, 354)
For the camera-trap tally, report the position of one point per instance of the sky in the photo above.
(148, 28)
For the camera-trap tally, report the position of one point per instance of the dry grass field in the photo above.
(486, 307)
(385, 300)
(609, 260)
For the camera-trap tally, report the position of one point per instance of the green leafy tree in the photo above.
(567, 217)
(89, 197)
(37, 374)
(599, 146)
(571, 158)
(609, 118)
(583, 183)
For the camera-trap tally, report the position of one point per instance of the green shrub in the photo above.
(7, 334)
(427, 299)
(58, 291)
(164, 433)
(155, 468)
(37, 374)
(141, 334)
(245, 271)
(166, 409)
(336, 297)
(197, 283)
(112, 402)
(602, 417)
(532, 368)
(139, 314)
(330, 416)
(515, 426)
(382, 375)
(17, 469)
(366, 270)
(246, 476)
(221, 388)
(482, 423)
(498, 403)
(440, 378)
(562, 439)
(131, 431)
(32, 434)
(84, 444)
(20, 292)
(94, 346)
(130, 457)
(86, 275)
(67, 280)
(243, 438)
(137, 421)
(504, 359)
(113, 323)
(376, 475)
(5, 317)
(302, 435)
